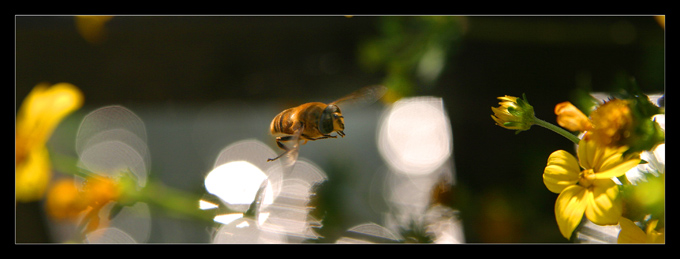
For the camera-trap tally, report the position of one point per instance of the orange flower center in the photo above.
(612, 122)
(586, 178)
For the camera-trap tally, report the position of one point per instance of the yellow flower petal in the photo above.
(32, 176)
(569, 208)
(619, 170)
(630, 233)
(654, 236)
(661, 19)
(571, 118)
(64, 201)
(613, 157)
(604, 206)
(587, 153)
(612, 123)
(601, 159)
(508, 98)
(38, 116)
(42, 110)
(92, 28)
(513, 113)
(562, 171)
(592, 191)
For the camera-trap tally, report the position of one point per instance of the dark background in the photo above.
(164, 66)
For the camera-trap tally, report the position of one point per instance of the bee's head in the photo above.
(331, 120)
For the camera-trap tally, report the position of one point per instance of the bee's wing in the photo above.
(288, 159)
(366, 95)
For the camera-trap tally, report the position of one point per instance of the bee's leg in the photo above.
(341, 133)
(291, 152)
(281, 146)
(282, 154)
(325, 137)
(280, 139)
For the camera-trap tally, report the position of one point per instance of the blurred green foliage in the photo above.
(412, 51)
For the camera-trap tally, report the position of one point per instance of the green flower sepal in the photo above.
(517, 114)
(514, 113)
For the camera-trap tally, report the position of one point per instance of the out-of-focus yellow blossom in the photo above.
(571, 118)
(36, 119)
(618, 122)
(513, 113)
(632, 234)
(66, 202)
(91, 27)
(591, 190)
(612, 123)
(661, 19)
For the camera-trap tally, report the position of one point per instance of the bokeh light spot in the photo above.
(235, 182)
(415, 135)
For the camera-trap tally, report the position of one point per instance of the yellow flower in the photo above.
(91, 27)
(661, 19)
(618, 122)
(513, 113)
(612, 123)
(591, 190)
(38, 116)
(632, 234)
(571, 118)
(65, 202)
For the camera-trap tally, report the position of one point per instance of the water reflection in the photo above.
(264, 204)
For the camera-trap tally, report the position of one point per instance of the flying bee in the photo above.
(316, 120)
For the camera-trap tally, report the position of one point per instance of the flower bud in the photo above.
(571, 118)
(513, 113)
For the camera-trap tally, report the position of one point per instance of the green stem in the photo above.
(67, 165)
(174, 201)
(557, 130)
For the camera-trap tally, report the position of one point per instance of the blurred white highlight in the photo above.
(289, 213)
(242, 176)
(369, 233)
(416, 141)
(206, 205)
(415, 135)
(109, 236)
(131, 225)
(589, 232)
(111, 141)
(444, 225)
(246, 231)
(656, 165)
(228, 218)
(235, 182)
